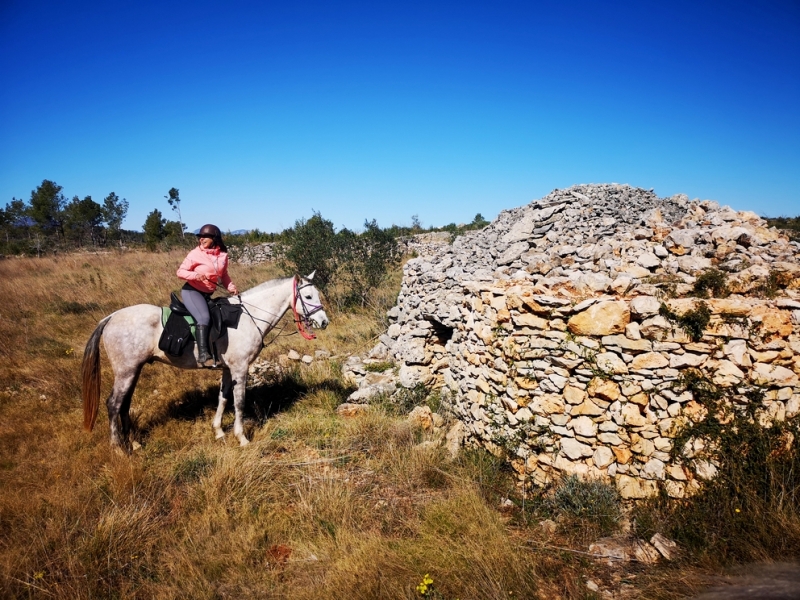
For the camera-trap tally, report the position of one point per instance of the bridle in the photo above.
(302, 320)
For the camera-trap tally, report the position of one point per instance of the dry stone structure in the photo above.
(547, 333)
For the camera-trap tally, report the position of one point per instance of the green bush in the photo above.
(693, 322)
(309, 246)
(711, 281)
(349, 266)
(748, 511)
(593, 501)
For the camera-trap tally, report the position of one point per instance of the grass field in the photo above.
(317, 506)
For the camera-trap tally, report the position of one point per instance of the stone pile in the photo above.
(253, 254)
(547, 330)
(424, 243)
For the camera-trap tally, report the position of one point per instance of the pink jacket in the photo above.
(212, 263)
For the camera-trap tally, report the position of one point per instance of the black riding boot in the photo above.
(204, 358)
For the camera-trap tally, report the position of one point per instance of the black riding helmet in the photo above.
(212, 231)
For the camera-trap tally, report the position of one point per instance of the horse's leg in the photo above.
(118, 404)
(239, 382)
(225, 389)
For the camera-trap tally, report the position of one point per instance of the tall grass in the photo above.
(317, 506)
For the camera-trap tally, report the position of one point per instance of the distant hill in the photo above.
(234, 232)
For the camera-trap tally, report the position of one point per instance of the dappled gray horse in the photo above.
(131, 335)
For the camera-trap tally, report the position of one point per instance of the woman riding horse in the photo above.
(203, 269)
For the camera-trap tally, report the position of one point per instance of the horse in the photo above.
(131, 336)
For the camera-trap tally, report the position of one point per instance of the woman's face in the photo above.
(205, 242)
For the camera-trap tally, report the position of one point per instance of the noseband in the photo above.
(301, 319)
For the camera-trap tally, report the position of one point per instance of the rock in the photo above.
(630, 488)
(352, 410)
(604, 389)
(603, 318)
(611, 363)
(422, 417)
(649, 360)
(773, 376)
(548, 526)
(665, 546)
(293, 355)
(602, 457)
(411, 376)
(454, 438)
(648, 261)
(645, 553)
(574, 450)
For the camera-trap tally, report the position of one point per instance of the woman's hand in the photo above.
(233, 290)
(201, 277)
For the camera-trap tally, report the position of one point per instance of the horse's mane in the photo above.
(267, 284)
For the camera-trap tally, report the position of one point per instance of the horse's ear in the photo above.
(310, 277)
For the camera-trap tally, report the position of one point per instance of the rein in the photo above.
(302, 322)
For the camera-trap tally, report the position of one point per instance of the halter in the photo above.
(301, 320)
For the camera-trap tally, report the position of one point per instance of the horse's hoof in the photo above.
(219, 435)
(243, 441)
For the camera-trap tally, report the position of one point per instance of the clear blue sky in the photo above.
(262, 112)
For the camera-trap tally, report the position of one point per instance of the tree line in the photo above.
(48, 222)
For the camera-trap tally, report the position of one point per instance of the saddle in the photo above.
(179, 325)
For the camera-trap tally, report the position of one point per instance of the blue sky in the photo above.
(262, 112)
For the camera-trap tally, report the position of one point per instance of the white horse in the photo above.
(131, 336)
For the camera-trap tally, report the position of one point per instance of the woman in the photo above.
(203, 269)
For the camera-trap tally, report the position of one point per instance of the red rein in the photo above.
(301, 327)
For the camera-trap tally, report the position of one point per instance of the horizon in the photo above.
(262, 114)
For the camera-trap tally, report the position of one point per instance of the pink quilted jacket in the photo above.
(212, 263)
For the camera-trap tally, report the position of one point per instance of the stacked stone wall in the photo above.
(546, 330)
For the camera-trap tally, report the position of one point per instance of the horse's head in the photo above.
(307, 303)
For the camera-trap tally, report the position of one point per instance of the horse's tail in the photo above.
(91, 376)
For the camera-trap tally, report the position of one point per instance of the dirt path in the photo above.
(764, 581)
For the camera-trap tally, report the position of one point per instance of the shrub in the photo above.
(363, 261)
(309, 246)
(592, 501)
(748, 511)
(711, 281)
(693, 322)
(358, 264)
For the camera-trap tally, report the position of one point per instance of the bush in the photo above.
(711, 281)
(592, 501)
(693, 322)
(363, 261)
(309, 246)
(357, 263)
(748, 512)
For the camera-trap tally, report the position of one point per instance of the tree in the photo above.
(364, 261)
(14, 221)
(82, 220)
(310, 246)
(46, 208)
(114, 212)
(173, 231)
(154, 229)
(174, 199)
(478, 222)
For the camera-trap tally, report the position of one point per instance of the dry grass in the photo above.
(316, 507)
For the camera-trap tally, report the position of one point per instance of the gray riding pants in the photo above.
(196, 304)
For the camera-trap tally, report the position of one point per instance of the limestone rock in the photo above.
(602, 318)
